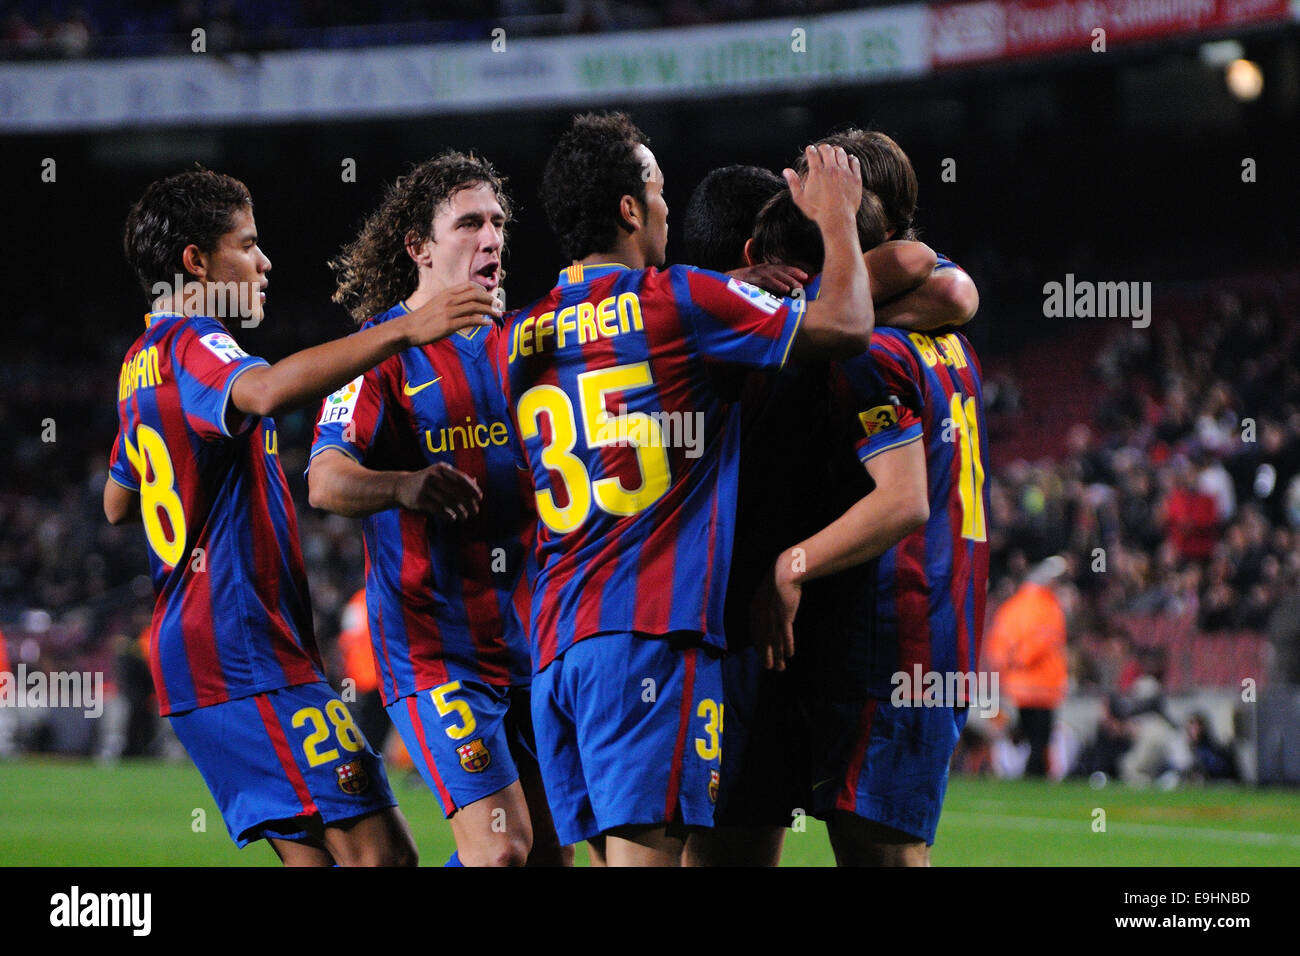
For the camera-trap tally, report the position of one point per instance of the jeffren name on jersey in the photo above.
(577, 325)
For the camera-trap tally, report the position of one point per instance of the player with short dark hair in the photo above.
(789, 488)
(196, 458)
(635, 527)
(419, 448)
(902, 573)
(720, 214)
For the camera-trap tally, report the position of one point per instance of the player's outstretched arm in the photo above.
(895, 268)
(897, 506)
(898, 267)
(339, 484)
(948, 297)
(839, 322)
(120, 504)
(308, 376)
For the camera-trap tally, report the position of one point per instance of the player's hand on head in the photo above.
(832, 186)
(460, 306)
(772, 615)
(771, 277)
(440, 490)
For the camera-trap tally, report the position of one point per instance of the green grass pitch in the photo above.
(142, 813)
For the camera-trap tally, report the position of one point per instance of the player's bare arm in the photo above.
(313, 373)
(338, 484)
(898, 267)
(121, 504)
(895, 268)
(948, 298)
(772, 276)
(840, 321)
(897, 506)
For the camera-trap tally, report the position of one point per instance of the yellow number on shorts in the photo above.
(970, 484)
(158, 493)
(346, 732)
(636, 429)
(320, 733)
(711, 711)
(457, 707)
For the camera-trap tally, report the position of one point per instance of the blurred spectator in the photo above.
(358, 662)
(1211, 760)
(1026, 647)
(1190, 516)
(1158, 747)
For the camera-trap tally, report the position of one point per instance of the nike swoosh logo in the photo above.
(407, 390)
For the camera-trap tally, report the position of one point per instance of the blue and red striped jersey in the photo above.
(631, 444)
(929, 589)
(233, 614)
(441, 595)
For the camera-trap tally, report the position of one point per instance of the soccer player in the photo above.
(911, 410)
(632, 452)
(196, 459)
(440, 590)
(786, 475)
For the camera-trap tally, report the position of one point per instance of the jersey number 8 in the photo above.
(158, 497)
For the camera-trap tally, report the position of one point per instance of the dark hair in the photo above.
(590, 169)
(886, 171)
(782, 233)
(195, 207)
(373, 271)
(721, 212)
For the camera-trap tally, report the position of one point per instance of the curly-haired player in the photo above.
(419, 448)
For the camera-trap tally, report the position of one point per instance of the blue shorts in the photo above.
(461, 734)
(629, 732)
(284, 763)
(888, 764)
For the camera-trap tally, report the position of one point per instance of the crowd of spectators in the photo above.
(151, 27)
(1180, 493)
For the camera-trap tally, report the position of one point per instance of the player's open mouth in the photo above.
(488, 276)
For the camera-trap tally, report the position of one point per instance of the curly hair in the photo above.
(195, 207)
(886, 171)
(590, 169)
(374, 271)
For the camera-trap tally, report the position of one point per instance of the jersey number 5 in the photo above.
(158, 499)
(600, 429)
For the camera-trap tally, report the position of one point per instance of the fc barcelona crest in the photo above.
(713, 786)
(353, 778)
(474, 756)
